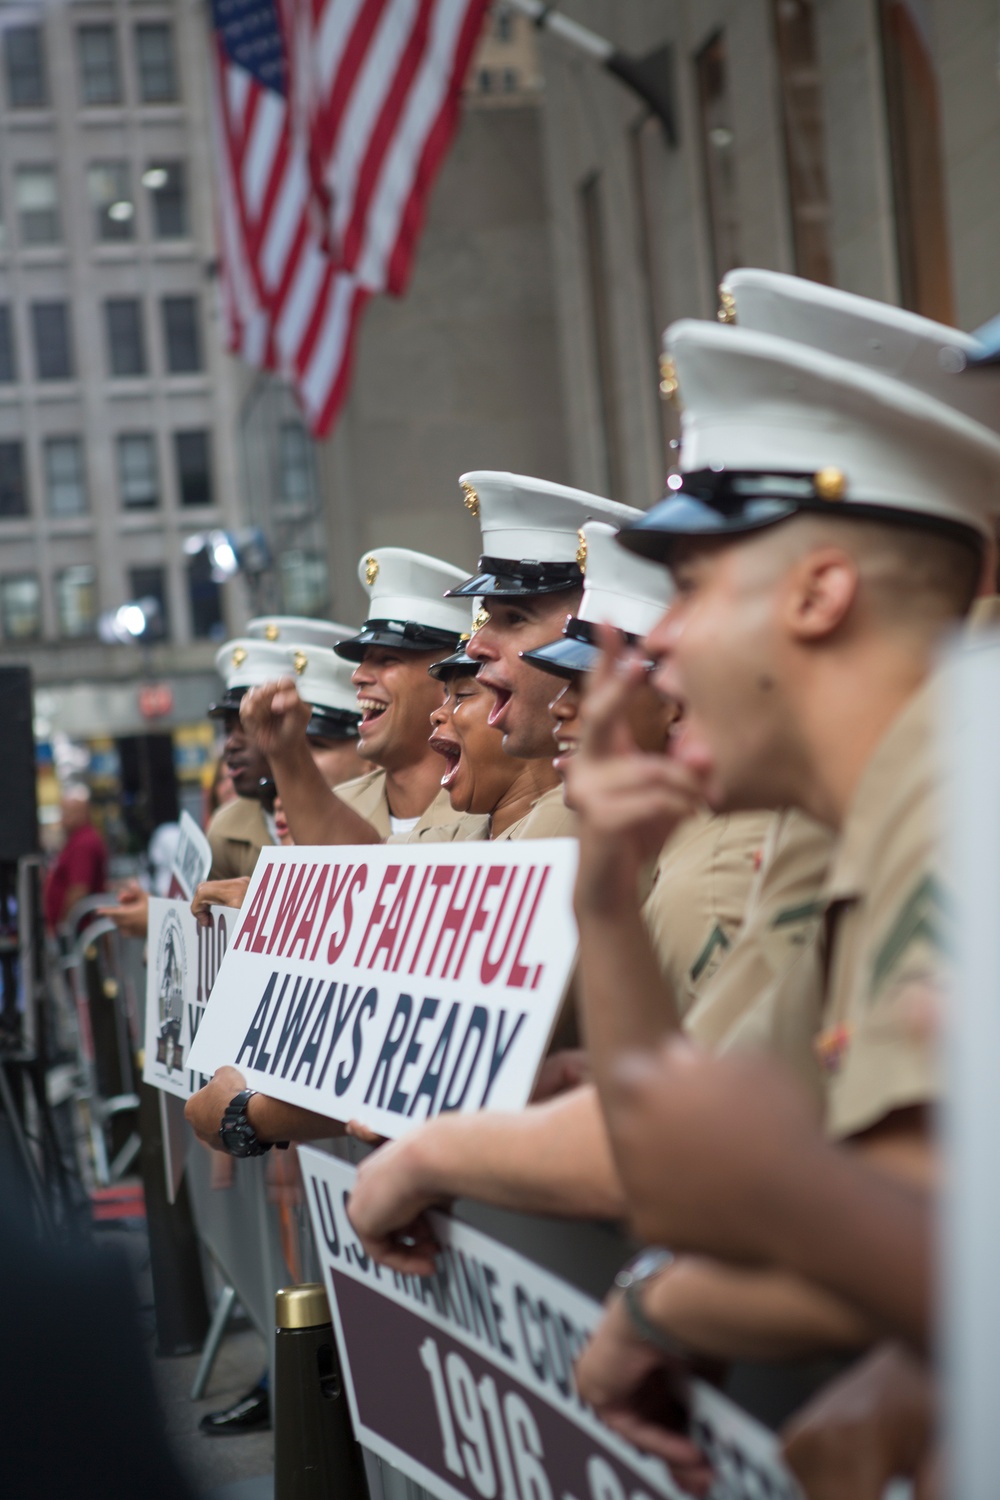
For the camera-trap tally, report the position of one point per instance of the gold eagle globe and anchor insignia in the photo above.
(581, 551)
(830, 483)
(727, 305)
(371, 570)
(482, 618)
(300, 661)
(239, 656)
(271, 632)
(470, 499)
(669, 383)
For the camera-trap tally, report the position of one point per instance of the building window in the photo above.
(65, 480)
(296, 470)
(485, 81)
(592, 217)
(718, 153)
(154, 50)
(111, 199)
(138, 480)
(53, 347)
(21, 607)
(126, 345)
(918, 185)
(151, 583)
(194, 467)
(8, 355)
(24, 57)
(180, 335)
(503, 26)
(36, 192)
(805, 146)
(13, 489)
(205, 599)
(76, 601)
(167, 184)
(304, 587)
(100, 75)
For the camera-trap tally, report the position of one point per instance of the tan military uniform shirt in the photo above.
(698, 902)
(366, 794)
(841, 1013)
(548, 818)
(236, 834)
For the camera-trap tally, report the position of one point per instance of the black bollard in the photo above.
(316, 1456)
(182, 1315)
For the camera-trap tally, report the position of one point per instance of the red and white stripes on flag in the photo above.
(326, 151)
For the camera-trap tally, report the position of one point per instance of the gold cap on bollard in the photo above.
(301, 1306)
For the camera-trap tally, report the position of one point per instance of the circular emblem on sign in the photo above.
(727, 305)
(371, 570)
(271, 632)
(300, 661)
(830, 483)
(171, 965)
(470, 499)
(581, 551)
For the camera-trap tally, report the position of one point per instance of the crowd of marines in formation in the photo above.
(732, 702)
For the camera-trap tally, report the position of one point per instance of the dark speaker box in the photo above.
(18, 803)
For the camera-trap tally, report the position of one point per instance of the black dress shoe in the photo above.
(251, 1413)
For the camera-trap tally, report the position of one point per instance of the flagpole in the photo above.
(650, 77)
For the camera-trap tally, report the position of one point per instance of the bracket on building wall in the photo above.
(651, 77)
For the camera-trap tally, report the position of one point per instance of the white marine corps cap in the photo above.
(530, 532)
(407, 605)
(324, 680)
(298, 630)
(771, 428)
(619, 588)
(925, 354)
(245, 663)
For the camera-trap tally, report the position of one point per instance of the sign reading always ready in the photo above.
(464, 1380)
(183, 959)
(387, 984)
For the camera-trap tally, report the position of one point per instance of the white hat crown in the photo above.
(619, 587)
(534, 520)
(409, 587)
(246, 663)
(298, 630)
(322, 678)
(911, 348)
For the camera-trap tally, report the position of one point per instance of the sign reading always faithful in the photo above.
(183, 959)
(388, 984)
(477, 1400)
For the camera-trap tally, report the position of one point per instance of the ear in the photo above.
(822, 588)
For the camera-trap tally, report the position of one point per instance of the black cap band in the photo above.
(229, 703)
(731, 503)
(405, 635)
(333, 724)
(508, 577)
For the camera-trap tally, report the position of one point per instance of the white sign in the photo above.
(465, 1382)
(391, 983)
(192, 859)
(182, 960)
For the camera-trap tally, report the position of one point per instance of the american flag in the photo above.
(325, 158)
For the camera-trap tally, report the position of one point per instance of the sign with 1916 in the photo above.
(464, 1380)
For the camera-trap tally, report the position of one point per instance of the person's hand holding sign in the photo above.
(131, 915)
(387, 1205)
(218, 893)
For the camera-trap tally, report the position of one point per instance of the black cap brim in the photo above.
(401, 635)
(564, 657)
(333, 724)
(510, 578)
(683, 515)
(450, 666)
(229, 703)
(988, 338)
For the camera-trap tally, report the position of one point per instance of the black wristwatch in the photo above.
(631, 1279)
(236, 1133)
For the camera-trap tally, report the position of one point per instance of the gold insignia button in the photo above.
(470, 499)
(371, 570)
(669, 384)
(727, 305)
(482, 618)
(300, 661)
(239, 656)
(271, 632)
(830, 483)
(581, 551)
